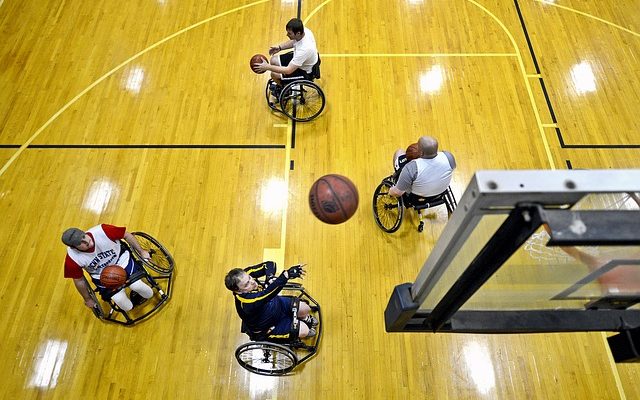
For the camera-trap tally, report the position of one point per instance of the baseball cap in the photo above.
(72, 237)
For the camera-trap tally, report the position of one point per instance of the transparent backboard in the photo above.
(538, 276)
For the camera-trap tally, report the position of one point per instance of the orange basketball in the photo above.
(333, 199)
(413, 152)
(113, 276)
(257, 59)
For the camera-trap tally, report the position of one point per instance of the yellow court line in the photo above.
(315, 10)
(534, 76)
(280, 125)
(549, 125)
(277, 254)
(614, 368)
(604, 21)
(108, 74)
(408, 55)
(526, 82)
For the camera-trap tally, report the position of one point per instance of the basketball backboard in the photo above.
(531, 251)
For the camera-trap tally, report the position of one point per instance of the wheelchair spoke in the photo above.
(302, 101)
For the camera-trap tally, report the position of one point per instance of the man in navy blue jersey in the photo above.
(263, 312)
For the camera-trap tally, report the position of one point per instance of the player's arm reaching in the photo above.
(270, 291)
(282, 46)
(267, 268)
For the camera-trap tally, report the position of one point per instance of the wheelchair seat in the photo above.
(315, 71)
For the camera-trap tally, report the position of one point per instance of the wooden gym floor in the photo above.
(146, 114)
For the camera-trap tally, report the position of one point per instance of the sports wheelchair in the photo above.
(157, 271)
(276, 357)
(389, 210)
(300, 99)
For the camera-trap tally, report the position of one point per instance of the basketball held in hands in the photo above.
(257, 59)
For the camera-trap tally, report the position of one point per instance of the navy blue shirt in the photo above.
(261, 309)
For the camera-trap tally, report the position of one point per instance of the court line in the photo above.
(146, 146)
(277, 254)
(604, 21)
(108, 74)
(409, 55)
(534, 105)
(315, 10)
(561, 140)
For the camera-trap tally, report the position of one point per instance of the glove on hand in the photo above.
(295, 272)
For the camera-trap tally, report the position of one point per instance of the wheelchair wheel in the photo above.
(302, 100)
(267, 93)
(387, 210)
(160, 261)
(266, 358)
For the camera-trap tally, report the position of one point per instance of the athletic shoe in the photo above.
(136, 298)
(310, 321)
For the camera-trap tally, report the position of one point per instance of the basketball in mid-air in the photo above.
(113, 276)
(333, 199)
(257, 59)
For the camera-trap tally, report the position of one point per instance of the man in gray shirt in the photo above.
(428, 175)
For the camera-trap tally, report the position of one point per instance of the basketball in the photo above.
(413, 152)
(333, 199)
(113, 276)
(257, 59)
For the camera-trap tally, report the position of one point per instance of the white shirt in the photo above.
(426, 176)
(305, 52)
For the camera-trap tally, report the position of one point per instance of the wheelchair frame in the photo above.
(158, 268)
(276, 358)
(388, 210)
(296, 95)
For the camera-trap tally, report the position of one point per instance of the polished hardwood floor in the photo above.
(146, 115)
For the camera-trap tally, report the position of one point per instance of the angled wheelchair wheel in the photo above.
(265, 358)
(387, 209)
(160, 261)
(267, 93)
(302, 100)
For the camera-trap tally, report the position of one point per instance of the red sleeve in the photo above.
(71, 269)
(114, 232)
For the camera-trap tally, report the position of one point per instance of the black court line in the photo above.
(293, 122)
(569, 166)
(548, 100)
(601, 146)
(535, 63)
(291, 165)
(146, 146)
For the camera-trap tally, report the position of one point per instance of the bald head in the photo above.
(428, 146)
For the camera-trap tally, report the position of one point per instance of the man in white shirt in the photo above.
(296, 64)
(428, 175)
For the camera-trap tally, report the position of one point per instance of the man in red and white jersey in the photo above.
(96, 249)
